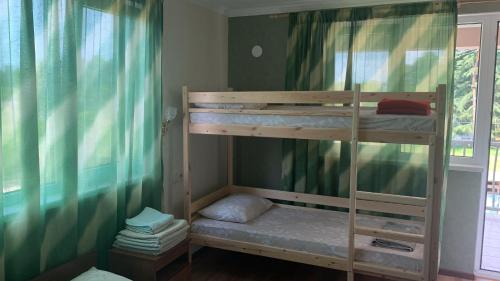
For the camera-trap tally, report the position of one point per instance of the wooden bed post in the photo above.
(186, 165)
(353, 181)
(230, 159)
(428, 208)
(439, 170)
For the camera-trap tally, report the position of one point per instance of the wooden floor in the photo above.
(218, 265)
(491, 246)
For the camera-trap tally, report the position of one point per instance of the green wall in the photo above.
(258, 160)
(266, 72)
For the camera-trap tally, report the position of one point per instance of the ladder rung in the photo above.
(387, 271)
(391, 198)
(390, 208)
(389, 234)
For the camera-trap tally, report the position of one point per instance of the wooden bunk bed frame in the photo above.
(426, 208)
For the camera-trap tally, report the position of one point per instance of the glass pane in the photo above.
(465, 89)
(490, 259)
(10, 117)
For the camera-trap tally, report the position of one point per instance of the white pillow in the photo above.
(95, 274)
(231, 105)
(239, 208)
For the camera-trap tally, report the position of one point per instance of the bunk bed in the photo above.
(332, 239)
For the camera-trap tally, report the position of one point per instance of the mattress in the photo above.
(314, 231)
(369, 120)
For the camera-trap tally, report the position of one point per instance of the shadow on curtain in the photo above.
(384, 48)
(80, 89)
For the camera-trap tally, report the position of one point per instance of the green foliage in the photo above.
(466, 63)
(495, 127)
(463, 111)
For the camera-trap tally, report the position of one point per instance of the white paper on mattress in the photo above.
(313, 231)
(369, 120)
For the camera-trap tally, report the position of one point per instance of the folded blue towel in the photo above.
(141, 229)
(151, 250)
(172, 228)
(149, 221)
(151, 244)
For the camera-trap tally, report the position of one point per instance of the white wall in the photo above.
(471, 8)
(458, 244)
(194, 54)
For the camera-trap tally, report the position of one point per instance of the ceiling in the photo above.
(238, 8)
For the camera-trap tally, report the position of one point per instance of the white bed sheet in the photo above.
(314, 231)
(369, 120)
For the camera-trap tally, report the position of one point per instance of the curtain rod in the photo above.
(459, 3)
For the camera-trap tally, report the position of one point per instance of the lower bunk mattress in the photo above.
(316, 231)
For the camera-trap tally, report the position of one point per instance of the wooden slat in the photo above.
(186, 177)
(186, 166)
(269, 251)
(294, 196)
(303, 97)
(297, 111)
(388, 234)
(310, 133)
(378, 96)
(387, 271)
(209, 199)
(391, 198)
(272, 132)
(439, 180)
(390, 208)
(400, 137)
(298, 97)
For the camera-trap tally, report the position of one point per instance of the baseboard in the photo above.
(458, 274)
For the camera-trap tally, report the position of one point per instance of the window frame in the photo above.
(485, 92)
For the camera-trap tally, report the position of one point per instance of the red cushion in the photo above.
(406, 107)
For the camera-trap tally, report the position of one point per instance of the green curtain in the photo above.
(80, 99)
(406, 47)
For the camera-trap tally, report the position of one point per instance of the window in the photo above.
(466, 76)
(97, 98)
(475, 57)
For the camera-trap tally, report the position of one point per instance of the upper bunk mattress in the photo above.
(369, 120)
(314, 231)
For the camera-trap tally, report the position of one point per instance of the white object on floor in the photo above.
(95, 274)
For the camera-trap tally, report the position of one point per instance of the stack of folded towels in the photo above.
(151, 232)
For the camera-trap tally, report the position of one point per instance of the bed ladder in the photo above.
(392, 204)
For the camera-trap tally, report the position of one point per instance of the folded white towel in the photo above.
(147, 250)
(149, 221)
(175, 226)
(140, 229)
(153, 243)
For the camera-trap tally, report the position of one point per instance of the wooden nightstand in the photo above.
(172, 265)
